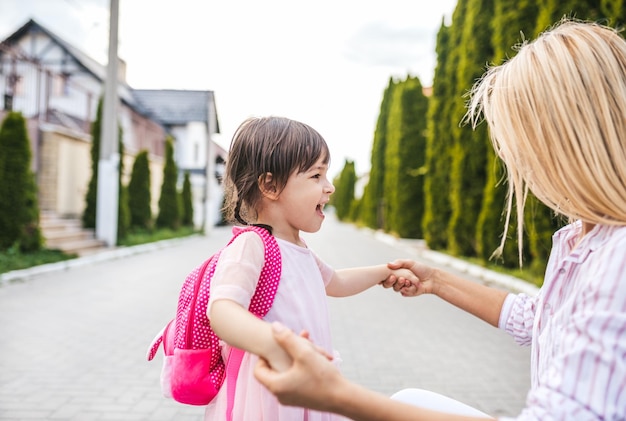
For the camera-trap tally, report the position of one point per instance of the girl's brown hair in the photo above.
(262, 145)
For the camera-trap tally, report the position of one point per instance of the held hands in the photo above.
(401, 280)
(309, 381)
(420, 281)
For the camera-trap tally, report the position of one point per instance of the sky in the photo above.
(325, 63)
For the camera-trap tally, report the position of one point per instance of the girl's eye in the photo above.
(317, 176)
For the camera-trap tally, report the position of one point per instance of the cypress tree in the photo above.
(91, 197)
(469, 152)
(343, 198)
(410, 128)
(444, 125)
(372, 202)
(392, 158)
(139, 197)
(19, 208)
(614, 11)
(436, 178)
(552, 11)
(187, 202)
(169, 208)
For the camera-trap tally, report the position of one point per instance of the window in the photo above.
(15, 84)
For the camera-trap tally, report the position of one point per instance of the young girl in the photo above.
(557, 116)
(276, 176)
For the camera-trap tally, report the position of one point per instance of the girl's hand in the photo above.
(305, 334)
(278, 359)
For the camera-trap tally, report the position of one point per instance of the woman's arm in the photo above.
(346, 282)
(239, 328)
(477, 299)
(313, 382)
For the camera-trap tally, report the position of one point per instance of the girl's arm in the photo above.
(346, 282)
(477, 299)
(232, 286)
(239, 328)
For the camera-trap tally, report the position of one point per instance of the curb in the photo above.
(111, 254)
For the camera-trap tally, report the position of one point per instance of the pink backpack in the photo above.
(193, 369)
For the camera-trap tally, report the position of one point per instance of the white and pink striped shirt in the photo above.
(576, 327)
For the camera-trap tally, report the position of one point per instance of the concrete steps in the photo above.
(68, 235)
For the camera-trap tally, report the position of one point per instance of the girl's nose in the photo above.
(330, 189)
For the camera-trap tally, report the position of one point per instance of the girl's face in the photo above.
(304, 197)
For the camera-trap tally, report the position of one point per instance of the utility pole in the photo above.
(108, 164)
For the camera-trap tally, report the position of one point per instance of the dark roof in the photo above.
(175, 107)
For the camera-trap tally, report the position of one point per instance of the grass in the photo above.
(14, 259)
(145, 236)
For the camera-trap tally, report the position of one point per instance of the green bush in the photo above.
(187, 202)
(169, 206)
(437, 154)
(343, 197)
(139, 193)
(19, 208)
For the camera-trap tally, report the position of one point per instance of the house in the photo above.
(189, 116)
(57, 88)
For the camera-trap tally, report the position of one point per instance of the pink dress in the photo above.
(300, 303)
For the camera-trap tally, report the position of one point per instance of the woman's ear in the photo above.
(268, 186)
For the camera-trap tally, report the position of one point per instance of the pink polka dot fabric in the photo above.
(191, 331)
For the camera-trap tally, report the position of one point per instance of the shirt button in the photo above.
(562, 271)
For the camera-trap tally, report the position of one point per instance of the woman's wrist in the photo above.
(344, 394)
(438, 282)
(356, 402)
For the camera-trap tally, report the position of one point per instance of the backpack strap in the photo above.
(260, 304)
(267, 286)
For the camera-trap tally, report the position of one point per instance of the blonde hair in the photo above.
(556, 114)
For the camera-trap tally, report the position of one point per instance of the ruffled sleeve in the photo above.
(517, 317)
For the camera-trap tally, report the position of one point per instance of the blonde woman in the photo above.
(557, 117)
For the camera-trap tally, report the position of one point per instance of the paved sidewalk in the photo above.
(74, 336)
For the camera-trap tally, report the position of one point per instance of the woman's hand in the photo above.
(312, 379)
(424, 284)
